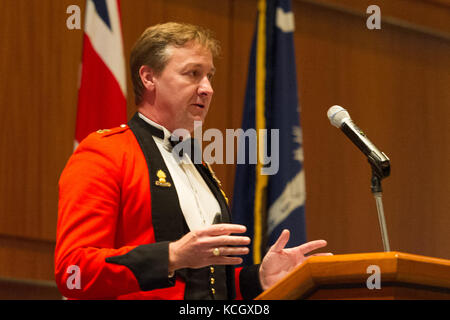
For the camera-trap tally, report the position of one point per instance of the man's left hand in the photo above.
(278, 261)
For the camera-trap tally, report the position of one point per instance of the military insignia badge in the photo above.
(162, 179)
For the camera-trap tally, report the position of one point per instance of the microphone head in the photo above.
(337, 115)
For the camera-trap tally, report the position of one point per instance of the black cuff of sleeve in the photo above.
(149, 264)
(249, 282)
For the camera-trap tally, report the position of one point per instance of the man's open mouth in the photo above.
(199, 105)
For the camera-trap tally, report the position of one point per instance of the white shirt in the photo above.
(197, 202)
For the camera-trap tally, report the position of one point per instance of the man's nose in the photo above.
(205, 87)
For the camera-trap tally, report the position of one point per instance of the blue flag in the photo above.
(268, 201)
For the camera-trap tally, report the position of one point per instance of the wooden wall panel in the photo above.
(26, 258)
(394, 81)
(39, 62)
(428, 16)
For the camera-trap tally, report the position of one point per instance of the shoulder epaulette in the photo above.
(109, 132)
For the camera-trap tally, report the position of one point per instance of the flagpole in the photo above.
(261, 180)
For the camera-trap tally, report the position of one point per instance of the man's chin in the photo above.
(196, 119)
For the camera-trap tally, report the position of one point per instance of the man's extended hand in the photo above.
(278, 262)
(195, 249)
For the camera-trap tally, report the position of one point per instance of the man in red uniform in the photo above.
(133, 222)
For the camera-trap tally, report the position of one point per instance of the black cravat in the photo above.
(176, 140)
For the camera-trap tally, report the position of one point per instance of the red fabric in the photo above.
(101, 103)
(237, 272)
(105, 210)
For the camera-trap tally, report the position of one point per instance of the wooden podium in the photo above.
(402, 275)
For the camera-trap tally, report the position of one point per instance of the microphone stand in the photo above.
(377, 193)
(381, 168)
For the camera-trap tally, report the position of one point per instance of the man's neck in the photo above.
(153, 116)
(151, 113)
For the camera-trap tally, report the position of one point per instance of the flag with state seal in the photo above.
(102, 89)
(269, 203)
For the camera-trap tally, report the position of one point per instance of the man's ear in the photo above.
(147, 77)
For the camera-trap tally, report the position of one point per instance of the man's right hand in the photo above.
(195, 249)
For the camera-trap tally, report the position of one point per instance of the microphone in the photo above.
(340, 118)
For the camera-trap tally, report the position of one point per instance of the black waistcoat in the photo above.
(212, 282)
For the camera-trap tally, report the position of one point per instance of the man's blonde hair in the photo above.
(151, 48)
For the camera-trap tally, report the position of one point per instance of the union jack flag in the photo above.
(102, 92)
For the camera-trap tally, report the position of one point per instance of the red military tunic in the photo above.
(105, 225)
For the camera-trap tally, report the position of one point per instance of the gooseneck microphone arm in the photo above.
(379, 162)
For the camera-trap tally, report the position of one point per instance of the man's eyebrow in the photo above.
(199, 65)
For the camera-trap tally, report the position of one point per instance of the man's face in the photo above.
(183, 90)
